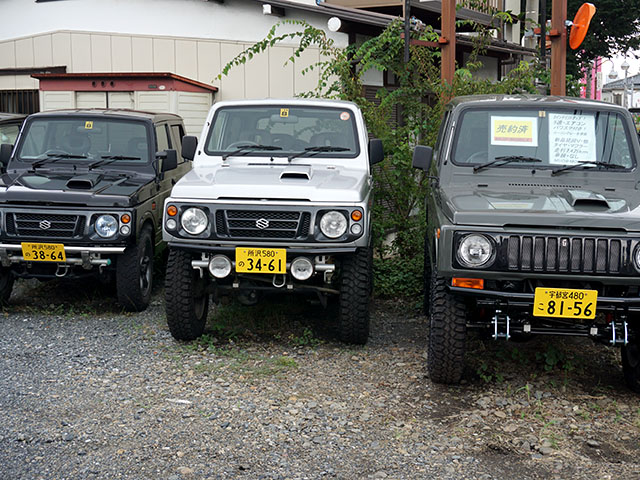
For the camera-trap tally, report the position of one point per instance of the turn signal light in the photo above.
(172, 210)
(356, 215)
(468, 283)
(126, 218)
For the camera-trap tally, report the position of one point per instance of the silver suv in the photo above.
(279, 199)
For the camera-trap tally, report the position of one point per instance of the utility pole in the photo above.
(558, 36)
(448, 42)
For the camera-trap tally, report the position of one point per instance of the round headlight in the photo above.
(106, 226)
(194, 221)
(333, 224)
(475, 250)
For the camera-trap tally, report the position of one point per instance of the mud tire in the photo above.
(186, 297)
(134, 273)
(355, 291)
(631, 365)
(447, 333)
(6, 285)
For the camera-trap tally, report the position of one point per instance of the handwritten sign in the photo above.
(514, 131)
(572, 139)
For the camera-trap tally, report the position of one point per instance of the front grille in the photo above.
(275, 224)
(563, 254)
(44, 225)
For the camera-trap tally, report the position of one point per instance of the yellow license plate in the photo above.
(261, 260)
(43, 252)
(565, 303)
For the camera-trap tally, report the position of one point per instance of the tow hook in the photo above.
(499, 320)
(62, 270)
(281, 283)
(615, 340)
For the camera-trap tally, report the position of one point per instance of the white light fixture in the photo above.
(612, 74)
(268, 9)
(625, 65)
(334, 24)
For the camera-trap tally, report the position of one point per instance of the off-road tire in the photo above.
(426, 277)
(186, 298)
(353, 304)
(631, 365)
(447, 333)
(134, 273)
(6, 285)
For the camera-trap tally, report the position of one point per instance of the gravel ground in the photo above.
(90, 392)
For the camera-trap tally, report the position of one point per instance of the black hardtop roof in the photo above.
(109, 112)
(531, 100)
(10, 116)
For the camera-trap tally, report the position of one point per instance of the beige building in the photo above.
(193, 39)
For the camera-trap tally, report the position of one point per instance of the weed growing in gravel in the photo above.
(306, 339)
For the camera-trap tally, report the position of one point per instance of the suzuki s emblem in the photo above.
(565, 242)
(262, 223)
(45, 224)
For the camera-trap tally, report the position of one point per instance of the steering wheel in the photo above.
(478, 157)
(240, 143)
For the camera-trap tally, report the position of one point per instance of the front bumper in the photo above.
(524, 301)
(87, 257)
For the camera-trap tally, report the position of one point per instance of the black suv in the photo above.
(82, 193)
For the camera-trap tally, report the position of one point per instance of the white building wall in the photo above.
(192, 38)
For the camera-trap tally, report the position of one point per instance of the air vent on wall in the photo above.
(545, 185)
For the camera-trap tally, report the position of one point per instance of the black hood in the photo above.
(74, 188)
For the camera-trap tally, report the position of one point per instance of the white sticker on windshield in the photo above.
(572, 139)
(514, 131)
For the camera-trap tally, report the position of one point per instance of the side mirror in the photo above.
(422, 156)
(376, 152)
(189, 146)
(169, 160)
(5, 154)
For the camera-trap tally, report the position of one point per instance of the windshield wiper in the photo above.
(504, 160)
(245, 149)
(54, 157)
(108, 159)
(587, 163)
(315, 150)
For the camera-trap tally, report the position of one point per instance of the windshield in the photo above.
(284, 131)
(84, 140)
(544, 138)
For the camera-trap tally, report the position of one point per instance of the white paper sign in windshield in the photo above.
(572, 139)
(514, 131)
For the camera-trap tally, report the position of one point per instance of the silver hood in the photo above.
(277, 181)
